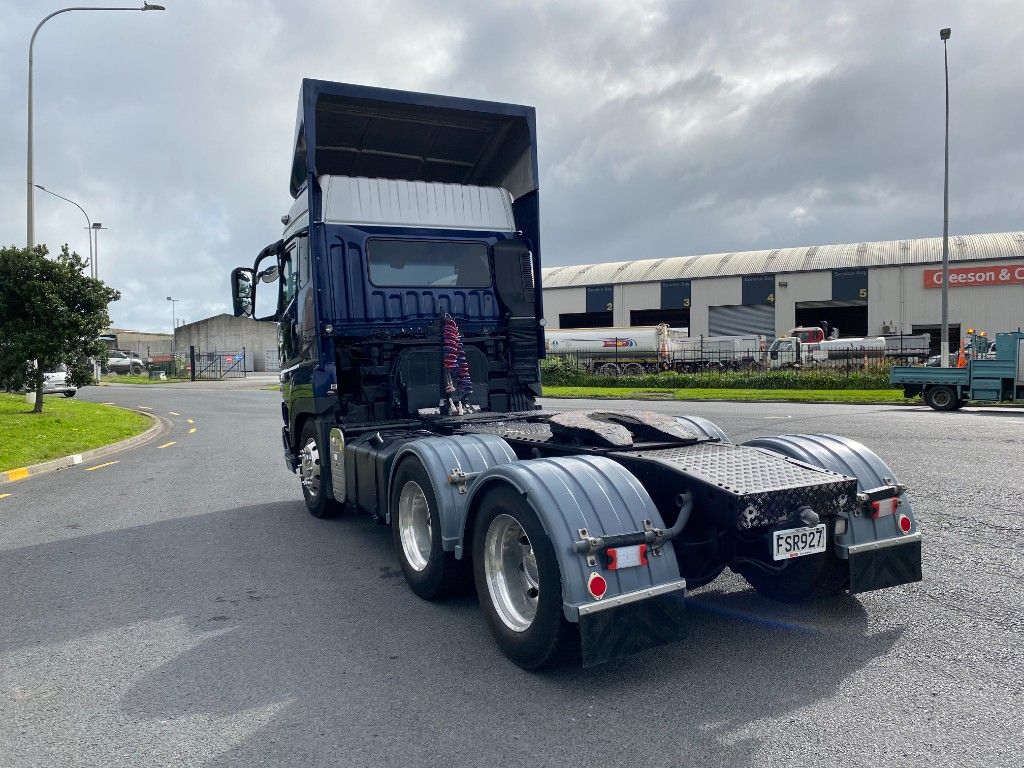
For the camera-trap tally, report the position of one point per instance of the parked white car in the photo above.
(56, 383)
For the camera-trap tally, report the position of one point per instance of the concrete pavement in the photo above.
(180, 607)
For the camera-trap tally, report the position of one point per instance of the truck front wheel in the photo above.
(942, 398)
(519, 583)
(315, 490)
(429, 571)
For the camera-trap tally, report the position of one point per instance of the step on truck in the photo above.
(993, 377)
(407, 286)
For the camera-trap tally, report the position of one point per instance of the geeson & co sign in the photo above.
(1009, 274)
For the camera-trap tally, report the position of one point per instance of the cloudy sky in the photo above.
(666, 128)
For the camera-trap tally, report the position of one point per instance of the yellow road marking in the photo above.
(167, 445)
(190, 421)
(174, 413)
(17, 474)
(101, 466)
(4, 495)
(144, 408)
(192, 430)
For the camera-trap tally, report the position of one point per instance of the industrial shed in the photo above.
(886, 287)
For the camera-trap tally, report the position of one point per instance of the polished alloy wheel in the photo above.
(414, 525)
(309, 467)
(510, 567)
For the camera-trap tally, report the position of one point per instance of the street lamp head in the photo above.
(97, 225)
(169, 298)
(944, 33)
(39, 186)
(152, 7)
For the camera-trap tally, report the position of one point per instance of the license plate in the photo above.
(797, 542)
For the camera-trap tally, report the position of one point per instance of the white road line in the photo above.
(191, 431)
(190, 421)
(144, 408)
(167, 445)
(174, 413)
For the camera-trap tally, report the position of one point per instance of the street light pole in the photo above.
(944, 344)
(174, 323)
(92, 263)
(96, 226)
(30, 208)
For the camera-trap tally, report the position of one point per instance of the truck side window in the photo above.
(290, 273)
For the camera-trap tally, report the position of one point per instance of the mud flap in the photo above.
(612, 631)
(886, 567)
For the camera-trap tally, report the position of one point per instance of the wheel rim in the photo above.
(941, 398)
(414, 525)
(510, 566)
(309, 467)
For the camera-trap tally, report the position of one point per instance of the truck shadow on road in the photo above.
(272, 638)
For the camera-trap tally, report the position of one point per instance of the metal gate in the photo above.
(215, 366)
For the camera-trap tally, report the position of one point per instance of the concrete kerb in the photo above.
(160, 426)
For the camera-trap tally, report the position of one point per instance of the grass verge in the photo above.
(64, 427)
(113, 378)
(869, 396)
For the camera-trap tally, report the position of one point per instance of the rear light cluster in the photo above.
(904, 523)
(884, 507)
(626, 557)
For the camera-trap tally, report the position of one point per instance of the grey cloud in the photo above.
(666, 128)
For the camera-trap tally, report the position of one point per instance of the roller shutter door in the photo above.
(740, 320)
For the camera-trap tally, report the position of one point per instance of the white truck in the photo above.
(694, 353)
(613, 351)
(791, 352)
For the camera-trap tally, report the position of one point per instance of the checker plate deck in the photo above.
(749, 486)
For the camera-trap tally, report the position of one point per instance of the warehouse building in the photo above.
(863, 289)
(226, 334)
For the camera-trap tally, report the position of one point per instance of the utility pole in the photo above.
(944, 345)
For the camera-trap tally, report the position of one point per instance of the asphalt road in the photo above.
(180, 607)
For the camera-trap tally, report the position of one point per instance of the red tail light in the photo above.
(884, 507)
(905, 524)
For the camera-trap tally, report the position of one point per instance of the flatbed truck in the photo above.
(408, 292)
(996, 379)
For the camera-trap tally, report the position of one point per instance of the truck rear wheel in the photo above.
(608, 369)
(429, 571)
(315, 490)
(942, 398)
(519, 583)
(633, 369)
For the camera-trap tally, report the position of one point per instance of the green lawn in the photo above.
(64, 427)
(879, 396)
(113, 378)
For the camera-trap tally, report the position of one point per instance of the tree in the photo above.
(50, 313)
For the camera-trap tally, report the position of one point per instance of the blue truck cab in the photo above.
(407, 288)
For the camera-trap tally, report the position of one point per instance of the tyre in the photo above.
(608, 369)
(315, 491)
(135, 370)
(429, 571)
(633, 369)
(941, 398)
(803, 578)
(69, 393)
(519, 583)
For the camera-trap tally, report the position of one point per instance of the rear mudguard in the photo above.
(879, 554)
(704, 428)
(451, 463)
(570, 493)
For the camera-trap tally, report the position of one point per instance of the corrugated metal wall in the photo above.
(741, 320)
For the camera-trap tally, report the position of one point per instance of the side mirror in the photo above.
(242, 280)
(269, 275)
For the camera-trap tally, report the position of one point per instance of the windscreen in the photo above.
(428, 264)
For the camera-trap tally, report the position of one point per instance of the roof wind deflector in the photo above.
(352, 130)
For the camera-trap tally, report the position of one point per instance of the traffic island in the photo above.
(67, 432)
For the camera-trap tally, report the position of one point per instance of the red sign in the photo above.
(1008, 274)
